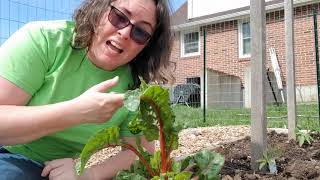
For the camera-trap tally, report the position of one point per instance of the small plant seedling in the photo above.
(304, 137)
(269, 159)
(315, 130)
(154, 119)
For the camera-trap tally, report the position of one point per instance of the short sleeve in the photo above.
(23, 58)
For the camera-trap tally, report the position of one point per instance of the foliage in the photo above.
(268, 159)
(104, 137)
(315, 130)
(154, 119)
(303, 137)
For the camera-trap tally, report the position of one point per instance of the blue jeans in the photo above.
(18, 167)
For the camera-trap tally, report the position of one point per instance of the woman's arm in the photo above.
(21, 124)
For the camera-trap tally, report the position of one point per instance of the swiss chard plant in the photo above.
(303, 137)
(154, 119)
(269, 159)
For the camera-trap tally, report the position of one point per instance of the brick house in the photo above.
(227, 49)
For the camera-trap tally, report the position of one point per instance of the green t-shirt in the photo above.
(39, 59)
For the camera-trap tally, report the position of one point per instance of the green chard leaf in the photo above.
(183, 176)
(176, 167)
(209, 163)
(155, 161)
(108, 136)
(152, 132)
(143, 84)
(139, 168)
(132, 99)
(137, 125)
(186, 162)
(156, 178)
(159, 97)
(129, 176)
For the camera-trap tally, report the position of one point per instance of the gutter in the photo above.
(236, 15)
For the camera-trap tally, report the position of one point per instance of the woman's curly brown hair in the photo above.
(152, 63)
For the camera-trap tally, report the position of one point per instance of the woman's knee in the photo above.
(17, 167)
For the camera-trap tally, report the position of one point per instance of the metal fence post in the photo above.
(204, 75)
(316, 45)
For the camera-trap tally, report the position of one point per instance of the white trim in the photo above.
(236, 15)
(240, 39)
(182, 50)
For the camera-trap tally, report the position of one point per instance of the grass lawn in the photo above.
(186, 117)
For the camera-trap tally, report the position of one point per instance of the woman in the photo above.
(63, 81)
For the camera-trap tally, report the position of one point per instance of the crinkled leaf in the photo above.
(153, 98)
(159, 97)
(186, 162)
(183, 176)
(176, 167)
(132, 100)
(168, 175)
(143, 84)
(154, 109)
(136, 126)
(98, 141)
(155, 161)
(209, 163)
(175, 140)
(152, 132)
(136, 168)
(129, 176)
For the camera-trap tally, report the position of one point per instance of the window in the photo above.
(190, 45)
(244, 39)
(193, 80)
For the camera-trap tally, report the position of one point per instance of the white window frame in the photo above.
(240, 39)
(182, 52)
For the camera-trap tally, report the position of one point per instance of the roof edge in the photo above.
(236, 15)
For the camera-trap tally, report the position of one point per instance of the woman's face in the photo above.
(111, 46)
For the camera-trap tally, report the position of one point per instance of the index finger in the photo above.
(113, 96)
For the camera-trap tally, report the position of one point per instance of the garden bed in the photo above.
(294, 163)
(234, 143)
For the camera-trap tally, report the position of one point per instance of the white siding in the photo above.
(198, 8)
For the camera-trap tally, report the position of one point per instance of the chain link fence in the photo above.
(15, 13)
(226, 97)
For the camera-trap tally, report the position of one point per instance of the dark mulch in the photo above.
(294, 162)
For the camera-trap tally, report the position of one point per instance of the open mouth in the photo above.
(113, 46)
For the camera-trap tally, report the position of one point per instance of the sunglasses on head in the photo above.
(119, 20)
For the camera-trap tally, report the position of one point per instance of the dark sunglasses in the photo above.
(119, 20)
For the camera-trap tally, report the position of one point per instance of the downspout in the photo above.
(204, 74)
(316, 43)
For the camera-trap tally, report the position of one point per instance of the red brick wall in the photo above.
(222, 48)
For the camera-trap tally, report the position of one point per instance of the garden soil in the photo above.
(294, 162)
(233, 142)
